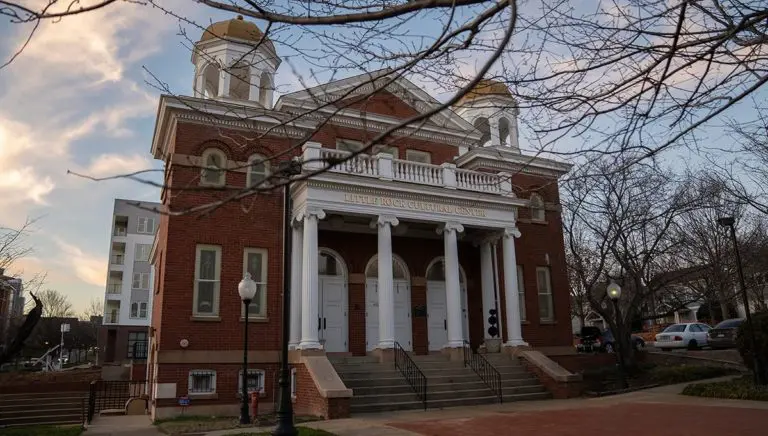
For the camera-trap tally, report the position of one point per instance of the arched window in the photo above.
(504, 132)
(265, 90)
(210, 81)
(484, 127)
(399, 269)
(213, 168)
(537, 208)
(329, 264)
(436, 271)
(258, 170)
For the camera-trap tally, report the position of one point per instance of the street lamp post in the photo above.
(614, 293)
(247, 290)
(285, 425)
(757, 361)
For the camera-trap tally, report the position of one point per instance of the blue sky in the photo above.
(77, 100)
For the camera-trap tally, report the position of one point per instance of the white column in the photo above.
(310, 282)
(514, 331)
(224, 78)
(386, 291)
(486, 282)
(452, 285)
(493, 123)
(297, 253)
(253, 88)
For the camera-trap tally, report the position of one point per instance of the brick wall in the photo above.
(310, 402)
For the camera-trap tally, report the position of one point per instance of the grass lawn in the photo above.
(42, 430)
(303, 431)
(196, 423)
(740, 388)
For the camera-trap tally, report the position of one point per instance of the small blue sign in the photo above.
(184, 401)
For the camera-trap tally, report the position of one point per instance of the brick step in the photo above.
(47, 419)
(404, 387)
(440, 404)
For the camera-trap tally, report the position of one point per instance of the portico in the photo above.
(482, 208)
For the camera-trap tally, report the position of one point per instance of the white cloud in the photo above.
(107, 165)
(89, 268)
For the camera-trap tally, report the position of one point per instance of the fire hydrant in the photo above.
(255, 405)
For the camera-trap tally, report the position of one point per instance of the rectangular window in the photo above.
(546, 309)
(140, 281)
(255, 381)
(142, 252)
(255, 262)
(202, 381)
(207, 276)
(349, 145)
(142, 310)
(137, 345)
(134, 310)
(418, 156)
(521, 291)
(146, 225)
(387, 149)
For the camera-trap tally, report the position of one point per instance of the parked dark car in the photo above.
(723, 335)
(592, 339)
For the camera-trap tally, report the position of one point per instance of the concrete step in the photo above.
(435, 387)
(47, 419)
(397, 380)
(35, 398)
(439, 404)
(26, 409)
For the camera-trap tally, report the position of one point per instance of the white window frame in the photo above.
(293, 383)
(521, 291)
(142, 252)
(261, 285)
(143, 225)
(418, 156)
(204, 168)
(143, 310)
(201, 372)
(349, 145)
(253, 158)
(547, 292)
(251, 371)
(217, 280)
(538, 213)
(143, 280)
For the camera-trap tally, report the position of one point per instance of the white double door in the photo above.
(437, 315)
(332, 314)
(403, 335)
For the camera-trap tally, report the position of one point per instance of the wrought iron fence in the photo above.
(413, 375)
(487, 373)
(106, 395)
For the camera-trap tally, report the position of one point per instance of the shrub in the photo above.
(685, 373)
(760, 320)
(741, 388)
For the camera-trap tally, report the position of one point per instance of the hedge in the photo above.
(741, 388)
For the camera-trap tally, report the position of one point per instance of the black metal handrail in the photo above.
(412, 373)
(484, 370)
(92, 401)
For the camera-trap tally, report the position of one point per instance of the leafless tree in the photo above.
(629, 78)
(95, 308)
(55, 304)
(14, 244)
(621, 226)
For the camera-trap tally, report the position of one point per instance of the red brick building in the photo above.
(411, 245)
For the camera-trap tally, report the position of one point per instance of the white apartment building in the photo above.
(128, 302)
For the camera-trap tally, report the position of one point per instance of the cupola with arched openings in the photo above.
(234, 60)
(490, 107)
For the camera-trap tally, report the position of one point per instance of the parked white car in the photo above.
(689, 335)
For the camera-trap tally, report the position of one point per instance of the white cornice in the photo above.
(502, 159)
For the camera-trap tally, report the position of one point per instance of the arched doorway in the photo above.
(332, 313)
(437, 305)
(401, 285)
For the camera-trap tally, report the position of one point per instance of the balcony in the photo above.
(117, 259)
(383, 166)
(112, 318)
(114, 288)
(120, 231)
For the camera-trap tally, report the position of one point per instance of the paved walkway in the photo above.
(135, 425)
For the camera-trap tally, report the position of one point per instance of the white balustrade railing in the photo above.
(383, 166)
(477, 181)
(417, 172)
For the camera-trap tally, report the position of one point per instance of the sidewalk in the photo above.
(133, 425)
